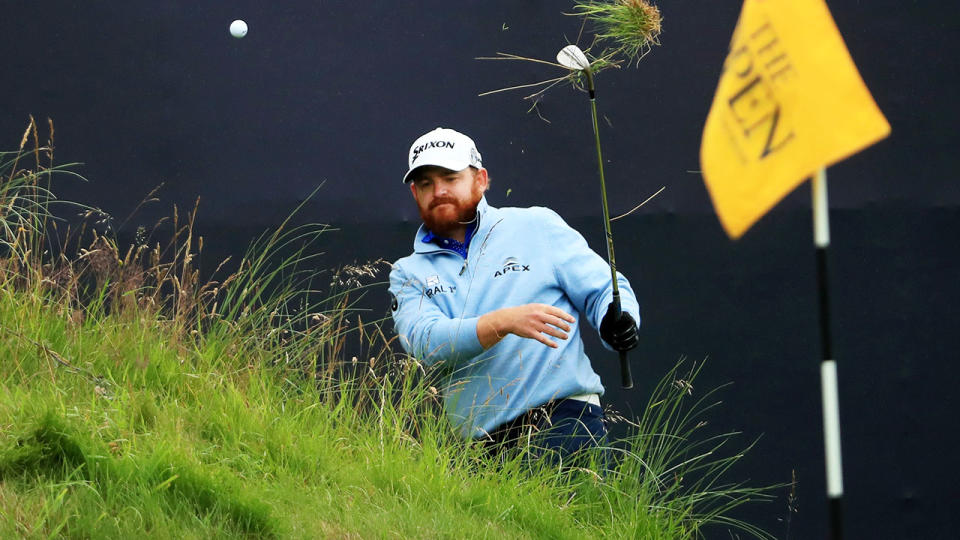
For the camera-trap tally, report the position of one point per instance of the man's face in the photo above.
(448, 199)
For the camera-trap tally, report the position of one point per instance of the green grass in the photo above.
(624, 31)
(136, 401)
(626, 28)
(167, 442)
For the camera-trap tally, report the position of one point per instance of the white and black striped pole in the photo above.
(828, 365)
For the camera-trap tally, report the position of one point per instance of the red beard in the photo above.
(442, 219)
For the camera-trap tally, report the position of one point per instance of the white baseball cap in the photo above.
(445, 148)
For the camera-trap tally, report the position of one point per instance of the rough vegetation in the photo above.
(138, 398)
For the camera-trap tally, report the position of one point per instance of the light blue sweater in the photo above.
(516, 256)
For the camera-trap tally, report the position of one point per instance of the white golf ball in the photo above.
(238, 29)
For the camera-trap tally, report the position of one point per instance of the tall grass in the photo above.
(136, 400)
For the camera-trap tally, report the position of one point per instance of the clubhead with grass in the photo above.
(574, 59)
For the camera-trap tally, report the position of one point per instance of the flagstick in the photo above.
(828, 366)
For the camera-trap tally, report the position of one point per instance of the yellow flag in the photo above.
(790, 100)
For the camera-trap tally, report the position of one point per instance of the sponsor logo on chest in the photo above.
(511, 264)
(434, 286)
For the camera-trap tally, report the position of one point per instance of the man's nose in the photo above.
(439, 189)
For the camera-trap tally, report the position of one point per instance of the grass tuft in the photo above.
(48, 451)
(624, 32)
(631, 27)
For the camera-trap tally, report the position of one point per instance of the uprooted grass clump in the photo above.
(137, 400)
(626, 29)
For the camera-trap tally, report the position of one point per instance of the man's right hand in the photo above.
(532, 321)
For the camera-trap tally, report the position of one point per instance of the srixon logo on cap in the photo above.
(428, 145)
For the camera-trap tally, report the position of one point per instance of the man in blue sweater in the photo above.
(493, 295)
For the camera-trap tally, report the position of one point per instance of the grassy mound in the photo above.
(136, 400)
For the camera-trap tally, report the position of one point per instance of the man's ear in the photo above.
(413, 190)
(483, 179)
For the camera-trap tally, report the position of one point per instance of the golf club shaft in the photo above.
(603, 188)
(626, 378)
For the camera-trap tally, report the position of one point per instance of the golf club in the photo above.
(572, 58)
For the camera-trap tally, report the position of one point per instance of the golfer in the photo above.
(494, 295)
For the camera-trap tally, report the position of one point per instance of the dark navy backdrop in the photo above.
(333, 92)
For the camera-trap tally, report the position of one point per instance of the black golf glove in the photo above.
(620, 332)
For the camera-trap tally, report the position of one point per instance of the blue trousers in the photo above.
(558, 431)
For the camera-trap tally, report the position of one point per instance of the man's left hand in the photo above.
(619, 330)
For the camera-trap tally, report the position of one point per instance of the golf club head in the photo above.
(571, 57)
